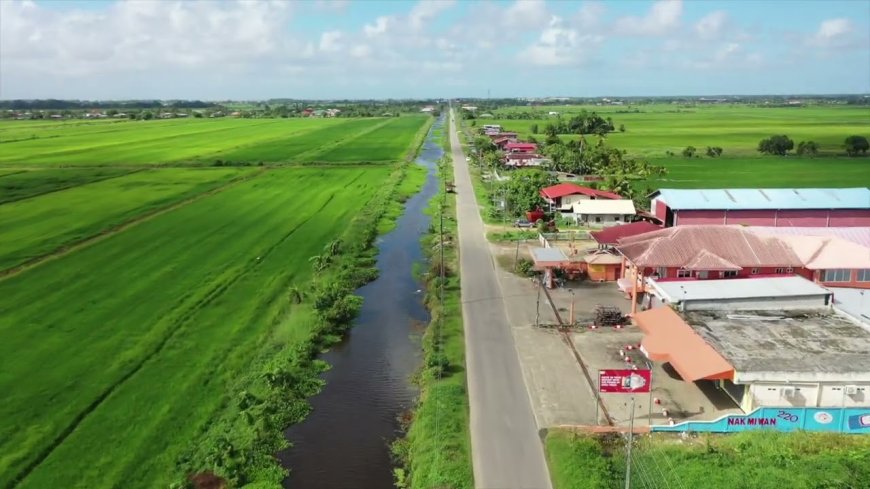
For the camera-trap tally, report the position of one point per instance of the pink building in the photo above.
(805, 207)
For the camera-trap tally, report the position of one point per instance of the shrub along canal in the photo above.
(344, 441)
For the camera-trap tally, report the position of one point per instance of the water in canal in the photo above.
(343, 444)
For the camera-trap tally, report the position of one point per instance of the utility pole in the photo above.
(517, 254)
(538, 301)
(630, 442)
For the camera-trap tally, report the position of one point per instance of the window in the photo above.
(662, 272)
(702, 274)
(779, 270)
(754, 271)
(864, 275)
(789, 270)
(837, 275)
(684, 273)
(598, 219)
(728, 274)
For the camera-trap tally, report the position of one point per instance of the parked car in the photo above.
(524, 223)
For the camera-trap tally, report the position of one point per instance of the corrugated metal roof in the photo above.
(548, 255)
(568, 188)
(604, 206)
(679, 246)
(828, 252)
(765, 198)
(737, 288)
(705, 260)
(858, 235)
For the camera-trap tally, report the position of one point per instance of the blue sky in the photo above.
(215, 50)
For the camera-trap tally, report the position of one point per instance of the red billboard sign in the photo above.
(626, 381)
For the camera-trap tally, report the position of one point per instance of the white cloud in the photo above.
(379, 27)
(662, 18)
(330, 41)
(559, 45)
(712, 25)
(589, 15)
(426, 10)
(525, 13)
(833, 33)
(332, 5)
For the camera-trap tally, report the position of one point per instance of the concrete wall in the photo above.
(850, 218)
(806, 395)
(758, 304)
(684, 218)
(802, 218)
(852, 283)
(745, 273)
(568, 201)
(751, 218)
(605, 219)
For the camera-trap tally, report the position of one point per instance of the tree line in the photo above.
(781, 144)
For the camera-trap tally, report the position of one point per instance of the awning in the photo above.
(667, 338)
(549, 257)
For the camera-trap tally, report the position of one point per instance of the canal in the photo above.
(344, 442)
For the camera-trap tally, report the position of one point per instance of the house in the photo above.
(491, 129)
(502, 141)
(521, 147)
(832, 261)
(702, 253)
(470, 108)
(518, 160)
(562, 197)
(804, 207)
(307, 112)
(764, 358)
(428, 109)
(601, 212)
(602, 266)
(553, 113)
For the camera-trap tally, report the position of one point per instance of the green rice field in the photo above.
(198, 141)
(657, 129)
(154, 283)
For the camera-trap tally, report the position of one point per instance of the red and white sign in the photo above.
(626, 381)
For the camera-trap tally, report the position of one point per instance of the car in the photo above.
(523, 223)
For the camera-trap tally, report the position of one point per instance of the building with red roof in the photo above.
(521, 147)
(563, 196)
(609, 237)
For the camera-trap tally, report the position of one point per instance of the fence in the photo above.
(838, 420)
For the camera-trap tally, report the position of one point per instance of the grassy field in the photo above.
(658, 129)
(760, 460)
(36, 226)
(140, 355)
(22, 184)
(193, 141)
(123, 357)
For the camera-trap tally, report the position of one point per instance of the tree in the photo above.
(523, 188)
(147, 115)
(776, 145)
(483, 144)
(689, 151)
(856, 144)
(622, 128)
(713, 151)
(533, 129)
(808, 148)
(551, 130)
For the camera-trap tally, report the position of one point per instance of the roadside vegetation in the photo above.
(436, 451)
(760, 460)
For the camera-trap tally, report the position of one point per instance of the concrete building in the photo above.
(563, 196)
(764, 358)
(805, 207)
(758, 294)
(603, 212)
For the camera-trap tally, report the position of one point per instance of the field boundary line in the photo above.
(68, 187)
(73, 246)
(175, 326)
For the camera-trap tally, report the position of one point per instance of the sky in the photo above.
(328, 49)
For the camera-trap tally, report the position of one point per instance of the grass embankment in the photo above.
(757, 460)
(436, 452)
(660, 132)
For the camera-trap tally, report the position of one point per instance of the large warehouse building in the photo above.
(780, 207)
(764, 358)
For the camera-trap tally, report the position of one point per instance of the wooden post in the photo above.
(635, 276)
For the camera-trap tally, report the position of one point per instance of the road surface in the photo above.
(507, 452)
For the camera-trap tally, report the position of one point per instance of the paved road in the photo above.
(506, 450)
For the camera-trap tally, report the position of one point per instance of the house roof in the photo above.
(609, 236)
(858, 235)
(680, 246)
(521, 146)
(828, 252)
(669, 339)
(705, 260)
(765, 198)
(738, 288)
(522, 156)
(604, 206)
(567, 188)
(602, 259)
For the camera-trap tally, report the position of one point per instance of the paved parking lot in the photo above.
(560, 392)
